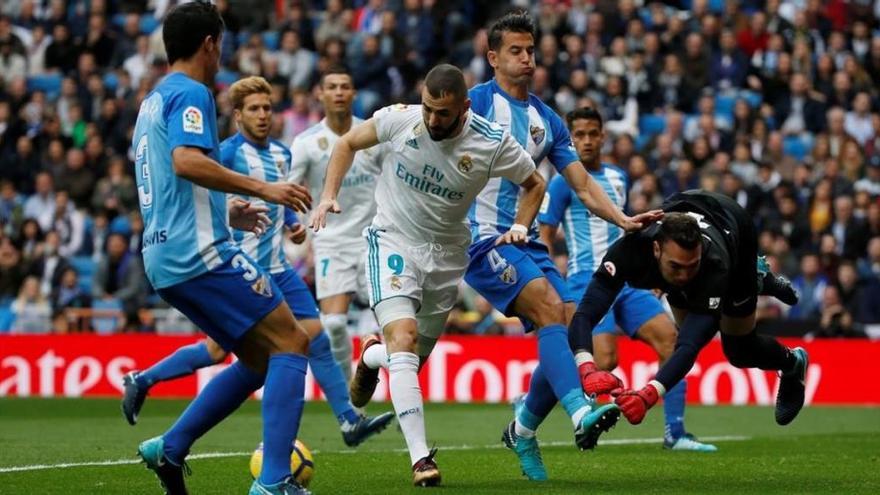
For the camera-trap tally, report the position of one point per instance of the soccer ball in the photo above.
(302, 464)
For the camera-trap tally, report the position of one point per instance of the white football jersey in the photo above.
(311, 153)
(427, 187)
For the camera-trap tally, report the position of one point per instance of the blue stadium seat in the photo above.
(85, 269)
(106, 324)
(148, 24)
(724, 105)
(242, 38)
(651, 125)
(111, 82)
(7, 318)
(225, 77)
(642, 140)
(120, 225)
(754, 98)
(47, 83)
(796, 147)
(716, 6)
(118, 20)
(271, 40)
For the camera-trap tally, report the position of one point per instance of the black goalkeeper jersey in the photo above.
(631, 259)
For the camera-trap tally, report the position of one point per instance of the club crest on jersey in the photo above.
(279, 164)
(465, 164)
(396, 283)
(537, 134)
(508, 276)
(610, 268)
(262, 287)
(323, 144)
(714, 302)
(193, 121)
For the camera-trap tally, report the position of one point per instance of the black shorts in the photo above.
(742, 288)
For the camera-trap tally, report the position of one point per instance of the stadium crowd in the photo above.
(774, 103)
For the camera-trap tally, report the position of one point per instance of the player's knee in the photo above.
(547, 310)
(215, 351)
(336, 325)
(401, 338)
(605, 360)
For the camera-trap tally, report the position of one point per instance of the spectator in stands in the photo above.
(62, 52)
(729, 65)
(67, 294)
(69, 223)
(850, 232)
(11, 203)
(12, 64)
(798, 111)
(858, 122)
(116, 193)
(41, 204)
(31, 309)
(869, 266)
(120, 276)
(295, 63)
(49, 263)
(30, 241)
(371, 78)
(620, 110)
(834, 319)
(78, 180)
(21, 167)
(333, 23)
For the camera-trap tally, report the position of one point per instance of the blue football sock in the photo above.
(282, 408)
(330, 378)
(557, 363)
(220, 397)
(673, 409)
(182, 362)
(539, 401)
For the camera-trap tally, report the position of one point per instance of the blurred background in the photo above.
(774, 103)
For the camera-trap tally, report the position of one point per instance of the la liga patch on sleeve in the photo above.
(193, 121)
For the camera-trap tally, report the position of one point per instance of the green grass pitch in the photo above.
(825, 450)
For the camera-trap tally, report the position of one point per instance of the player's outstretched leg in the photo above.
(675, 437)
(184, 361)
(355, 428)
(366, 376)
(165, 455)
(336, 325)
(520, 437)
(752, 350)
(774, 285)
(792, 388)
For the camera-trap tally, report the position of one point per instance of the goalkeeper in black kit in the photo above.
(703, 254)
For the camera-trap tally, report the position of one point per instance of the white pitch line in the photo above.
(218, 455)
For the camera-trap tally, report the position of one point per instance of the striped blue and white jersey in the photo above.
(586, 235)
(185, 225)
(270, 163)
(538, 129)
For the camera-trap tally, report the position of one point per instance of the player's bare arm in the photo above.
(593, 196)
(533, 193)
(358, 138)
(547, 233)
(193, 165)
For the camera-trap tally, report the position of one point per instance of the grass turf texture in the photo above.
(824, 450)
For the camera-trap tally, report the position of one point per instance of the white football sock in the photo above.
(336, 326)
(376, 356)
(522, 431)
(406, 395)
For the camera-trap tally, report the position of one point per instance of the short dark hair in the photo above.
(680, 228)
(516, 21)
(446, 79)
(583, 113)
(335, 69)
(186, 27)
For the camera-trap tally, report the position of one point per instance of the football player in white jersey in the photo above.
(440, 156)
(339, 248)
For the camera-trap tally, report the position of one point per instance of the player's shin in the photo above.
(406, 395)
(336, 326)
(220, 397)
(282, 408)
(329, 377)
